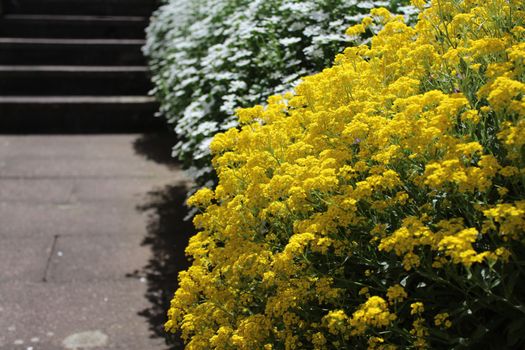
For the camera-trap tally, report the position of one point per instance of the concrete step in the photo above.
(73, 80)
(77, 114)
(44, 51)
(64, 26)
(84, 7)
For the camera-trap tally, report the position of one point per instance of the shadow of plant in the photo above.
(167, 236)
(157, 147)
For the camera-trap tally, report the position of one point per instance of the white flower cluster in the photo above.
(210, 57)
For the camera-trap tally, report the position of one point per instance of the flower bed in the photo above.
(381, 205)
(211, 57)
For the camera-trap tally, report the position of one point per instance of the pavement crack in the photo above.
(71, 198)
(50, 257)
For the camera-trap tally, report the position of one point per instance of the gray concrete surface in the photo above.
(72, 241)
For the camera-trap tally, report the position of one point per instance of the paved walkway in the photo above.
(81, 266)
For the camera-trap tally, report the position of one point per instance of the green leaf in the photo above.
(516, 331)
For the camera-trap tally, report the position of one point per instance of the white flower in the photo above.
(289, 41)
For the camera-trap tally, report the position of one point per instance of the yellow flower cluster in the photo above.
(442, 320)
(396, 293)
(373, 313)
(398, 167)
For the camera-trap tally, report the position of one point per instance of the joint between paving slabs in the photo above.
(50, 257)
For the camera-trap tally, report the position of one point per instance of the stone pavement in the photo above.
(78, 251)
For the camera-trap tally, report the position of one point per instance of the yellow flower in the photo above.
(420, 332)
(201, 198)
(336, 321)
(319, 341)
(416, 308)
(396, 293)
(441, 320)
(418, 3)
(373, 313)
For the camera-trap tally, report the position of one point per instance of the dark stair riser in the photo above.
(83, 7)
(81, 54)
(49, 28)
(103, 95)
(81, 118)
(73, 83)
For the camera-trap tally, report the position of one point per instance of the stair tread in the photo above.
(74, 18)
(76, 99)
(53, 41)
(74, 69)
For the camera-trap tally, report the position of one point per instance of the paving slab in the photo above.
(104, 190)
(87, 258)
(24, 259)
(36, 191)
(32, 220)
(58, 156)
(16, 167)
(72, 146)
(46, 315)
(4, 147)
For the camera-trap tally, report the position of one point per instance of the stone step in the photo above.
(77, 114)
(84, 7)
(73, 80)
(45, 51)
(71, 26)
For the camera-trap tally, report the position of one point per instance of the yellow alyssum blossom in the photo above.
(336, 322)
(416, 308)
(373, 313)
(396, 293)
(419, 3)
(420, 332)
(202, 198)
(510, 217)
(442, 320)
(459, 247)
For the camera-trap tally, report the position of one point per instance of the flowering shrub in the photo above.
(210, 57)
(380, 206)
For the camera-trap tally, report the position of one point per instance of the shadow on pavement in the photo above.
(167, 236)
(157, 147)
